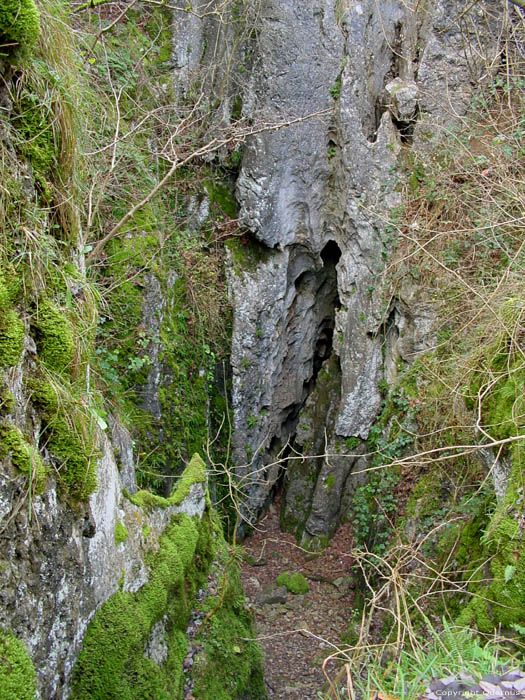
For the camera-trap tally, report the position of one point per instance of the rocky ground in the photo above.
(297, 632)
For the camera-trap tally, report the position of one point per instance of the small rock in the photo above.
(271, 595)
(295, 603)
(402, 95)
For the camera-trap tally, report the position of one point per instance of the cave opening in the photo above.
(328, 292)
(320, 286)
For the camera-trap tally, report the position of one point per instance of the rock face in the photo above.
(371, 77)
(60, 565)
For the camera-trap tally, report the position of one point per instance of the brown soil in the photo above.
(293, 659)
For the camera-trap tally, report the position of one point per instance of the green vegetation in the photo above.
(12, 332)
(24, 456)
(195, 473)
(246, 253)
(230, 665)
(121, 533)
(451, 652)
(19, 29)
(293, 582)
(17, 673)
(112, 664)
(437, 548)
(69, 433)
(54, 336)
(335, 90)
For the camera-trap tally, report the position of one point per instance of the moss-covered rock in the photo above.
(294, 583)
(112, 664)
(497, 392)
(230, 666)
(12, 333)
(55, 337)
(24, 456)
(121, 533)
(12, 328)
(17, 673)
(19, 28)
(69, 433)
(195, 473)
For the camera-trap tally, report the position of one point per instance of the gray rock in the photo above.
(66, 561)
(402, 98)
(272, 595)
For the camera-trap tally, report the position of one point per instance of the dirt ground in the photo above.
(293, 659)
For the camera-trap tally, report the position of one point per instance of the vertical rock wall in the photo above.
(379, 77)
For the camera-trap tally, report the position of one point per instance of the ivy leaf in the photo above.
(237, 649)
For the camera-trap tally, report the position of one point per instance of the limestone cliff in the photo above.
(314, 196)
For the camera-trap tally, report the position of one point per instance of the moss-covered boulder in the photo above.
(294, 583)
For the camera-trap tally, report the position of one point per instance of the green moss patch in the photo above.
(68, 432)
(12, 329)
(294, 583)
(247, 254)
(12, 333)
(195, 473)
(121, 533)
(230, 666)
(19, 28)
(24, 456)
(54, 336)
(222, 196)
(17, 673)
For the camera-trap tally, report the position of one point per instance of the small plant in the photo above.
(335, 90)
(252, 420)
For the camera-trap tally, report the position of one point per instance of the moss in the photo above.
(35, 127)
(247, 254)
(121, 533)
(230, 667)
(12, 329)
(7, 402)
(221, 195)
(109, 671)
(476, 614)
(294, 582)
(352, 443)
(12, 332)
(195, 473)
(69, 435)
(17, 673)
(500, 367)
(19, 28)
(54, 336)
(24, 456)
(329, 482)
(426, 497)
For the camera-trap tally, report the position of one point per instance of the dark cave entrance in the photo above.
(321, 286)
(329, 304)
